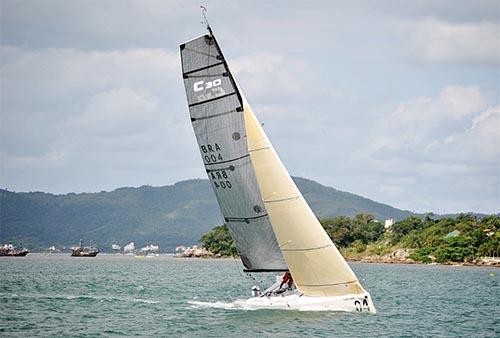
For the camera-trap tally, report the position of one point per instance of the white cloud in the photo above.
(438, 41)
(104, 116)
(481, 141)
(414, 123)
(41, 74)
(270, 77)
(439, 149)
(122, 111)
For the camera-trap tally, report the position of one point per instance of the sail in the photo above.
(216, 110)
(317, 267)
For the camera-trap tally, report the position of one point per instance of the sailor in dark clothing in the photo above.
(287, 279)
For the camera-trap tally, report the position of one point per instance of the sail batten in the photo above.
(308, 249)
(282, 199)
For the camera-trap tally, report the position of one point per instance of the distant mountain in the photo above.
(169, 215)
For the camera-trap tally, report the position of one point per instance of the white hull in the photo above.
(346, 303)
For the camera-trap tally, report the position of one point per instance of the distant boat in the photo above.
(150, 250)
(52, 249)
(12, 251)
(84, 251)
(179, 250)
(129, 248)
(273, 227)
(116, 247)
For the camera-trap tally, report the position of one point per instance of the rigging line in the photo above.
(254, 279)
(204, 19)
(238, 268)
(218, 57)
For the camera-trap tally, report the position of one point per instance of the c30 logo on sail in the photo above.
(201, 85)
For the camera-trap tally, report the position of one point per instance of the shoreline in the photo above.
(350, 260)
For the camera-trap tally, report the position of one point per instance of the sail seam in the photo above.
(214, 115)
(234, 159)
(263, 148)
(309, 249)
(210, 100)
(332, 284)
(203, 68)
(282, 199)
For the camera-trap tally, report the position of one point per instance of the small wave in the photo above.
(147, 301)
(216, 305)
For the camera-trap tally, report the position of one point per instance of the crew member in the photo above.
(287, 279)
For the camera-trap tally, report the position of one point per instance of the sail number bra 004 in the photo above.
(211, 155)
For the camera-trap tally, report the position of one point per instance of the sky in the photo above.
(397, 101)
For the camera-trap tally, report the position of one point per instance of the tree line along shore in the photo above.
(464, 239)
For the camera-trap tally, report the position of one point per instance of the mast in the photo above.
(205, 20)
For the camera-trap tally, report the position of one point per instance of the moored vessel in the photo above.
(12, 251)
(84, 251)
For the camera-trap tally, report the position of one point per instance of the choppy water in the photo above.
(57, 295)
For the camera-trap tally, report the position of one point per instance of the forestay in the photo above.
(216, 110)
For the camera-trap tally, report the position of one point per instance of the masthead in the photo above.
(204, 19)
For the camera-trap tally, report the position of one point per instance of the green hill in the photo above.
(169, 215)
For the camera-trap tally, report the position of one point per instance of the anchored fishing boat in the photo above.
(12, 251)
(84, 251)
(272, 225)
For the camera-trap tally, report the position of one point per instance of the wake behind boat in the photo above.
(273, 227)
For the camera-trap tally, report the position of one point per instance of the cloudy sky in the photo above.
(393, 100)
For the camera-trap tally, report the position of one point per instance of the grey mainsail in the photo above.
(216, 109)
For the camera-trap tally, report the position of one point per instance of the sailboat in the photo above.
(273, 227)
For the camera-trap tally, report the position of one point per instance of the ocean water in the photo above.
(115, 295)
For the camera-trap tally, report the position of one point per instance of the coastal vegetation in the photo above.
(426, 239)
(169, 216)
(219, 241)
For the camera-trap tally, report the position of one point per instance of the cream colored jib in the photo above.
(316, 265)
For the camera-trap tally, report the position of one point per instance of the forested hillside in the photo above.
(168, 215)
